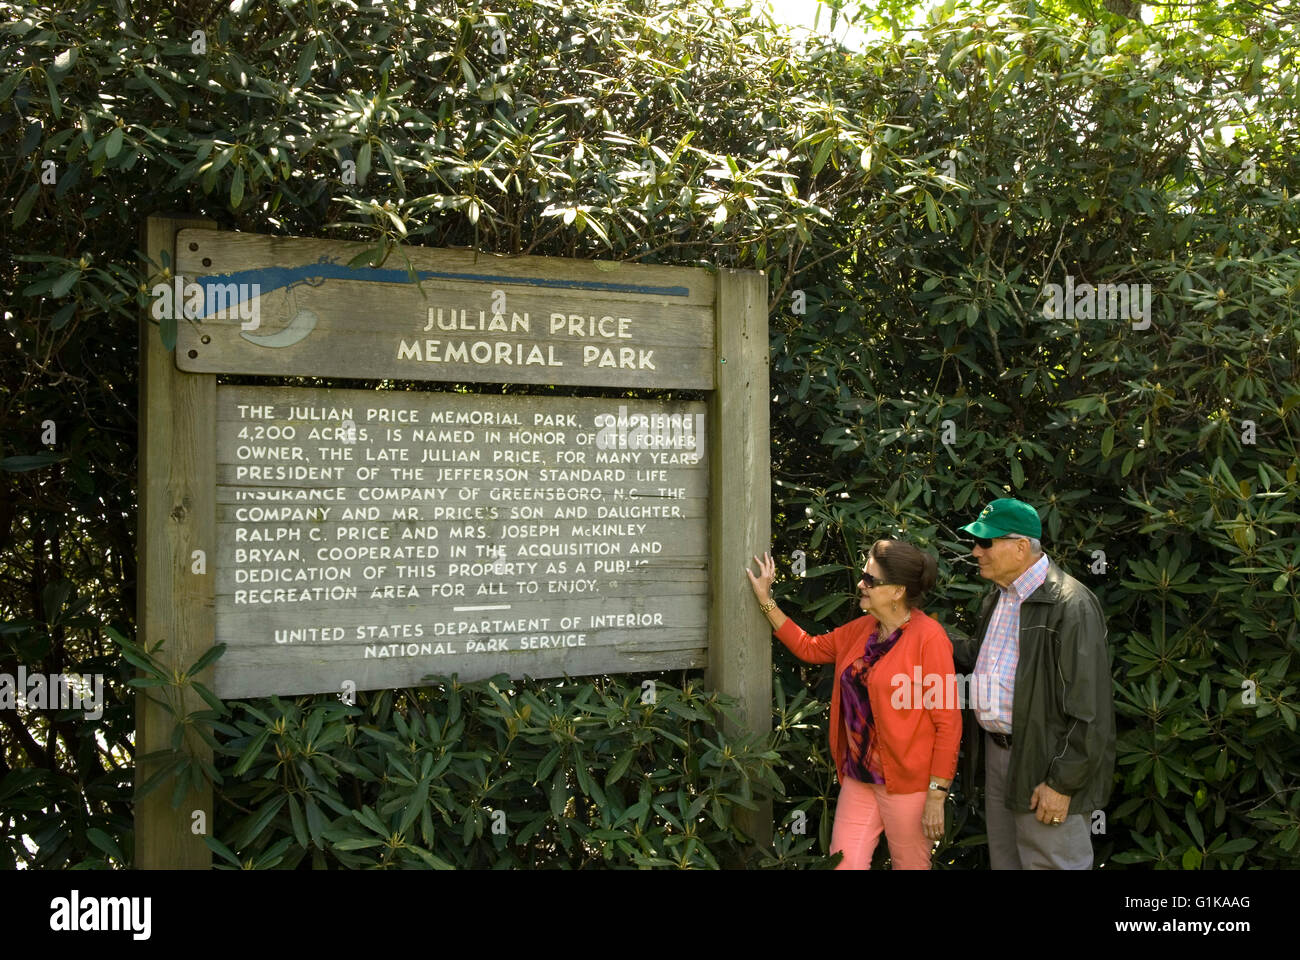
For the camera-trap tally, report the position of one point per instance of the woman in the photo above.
(894, 751)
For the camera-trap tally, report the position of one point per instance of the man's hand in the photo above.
(1050, 807)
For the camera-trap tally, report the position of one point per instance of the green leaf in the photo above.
(64, 283)
(620, 766)
(26, 462)
(152, 84)
(437, 863)
(1161, 778)
(296, 820)
(544, 769)
(306, 60)
(467, 72)
(559, 793)
(113, 145)
(1194, 826)
(395, 170)
(32, 138)
(264, 816)
(56, 103)
(252, 752)
(20, 779)
(1287, 715)
(363, 162)
(356, 843)
(1239, 845)
(210, 656)
(237, 187)
(167, 332)
(223, 851)
(62, 316)
(274, 854)
(160, 776)
(370, 819)
(823, 152)
(10, 84)
(210, 698)
(148, 682)
(24, 205)
(106, 843)
(138, 658)
(315, 820)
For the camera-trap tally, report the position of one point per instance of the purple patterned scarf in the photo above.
(861, 759)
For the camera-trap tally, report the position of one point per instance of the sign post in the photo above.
(740, 643)
(173, 603)
(365, 539)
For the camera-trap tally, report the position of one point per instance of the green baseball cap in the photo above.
(1004, 516)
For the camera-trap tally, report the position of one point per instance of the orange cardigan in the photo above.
(916, 741)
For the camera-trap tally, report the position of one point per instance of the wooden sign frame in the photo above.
(177, 518)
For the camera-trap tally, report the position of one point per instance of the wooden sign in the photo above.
(276, 305)
(376, 537)
(343, 540)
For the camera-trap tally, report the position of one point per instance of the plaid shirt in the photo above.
(994, 680)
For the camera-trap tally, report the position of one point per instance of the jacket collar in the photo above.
(1050, 589)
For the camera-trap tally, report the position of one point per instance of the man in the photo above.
(1041, 696)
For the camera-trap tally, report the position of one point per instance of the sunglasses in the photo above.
(985, 542)
(871, 581)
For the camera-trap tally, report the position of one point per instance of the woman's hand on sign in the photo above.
(762, 583)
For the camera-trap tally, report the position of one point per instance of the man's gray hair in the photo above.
(1035, 545)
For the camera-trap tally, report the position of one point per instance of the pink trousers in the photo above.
(863, 811)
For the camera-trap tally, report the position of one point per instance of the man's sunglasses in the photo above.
(985, 542)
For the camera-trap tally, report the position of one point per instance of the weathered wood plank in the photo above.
(287, 677)
(176, 450)
(740, 641)
(269, 305)
(226, 247)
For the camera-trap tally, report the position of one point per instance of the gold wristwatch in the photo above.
(767, 607)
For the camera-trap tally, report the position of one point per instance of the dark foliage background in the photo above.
(908, 203)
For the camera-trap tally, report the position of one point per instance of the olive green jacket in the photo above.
(1063, 710)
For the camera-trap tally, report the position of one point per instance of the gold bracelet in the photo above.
(767, 607)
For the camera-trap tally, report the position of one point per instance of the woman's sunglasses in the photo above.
(871, 581)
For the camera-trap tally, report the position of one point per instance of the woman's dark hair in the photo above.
(905, 565)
